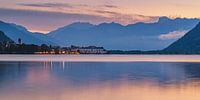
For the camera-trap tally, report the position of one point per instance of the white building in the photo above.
(89, 50)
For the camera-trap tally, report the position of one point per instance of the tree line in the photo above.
(12, 48)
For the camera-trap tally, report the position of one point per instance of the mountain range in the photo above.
(138, 36)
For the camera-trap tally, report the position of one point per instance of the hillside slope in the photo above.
(190, 43)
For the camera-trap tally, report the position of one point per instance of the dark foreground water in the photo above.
(99, 81)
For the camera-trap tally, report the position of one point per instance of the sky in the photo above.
(47, 15)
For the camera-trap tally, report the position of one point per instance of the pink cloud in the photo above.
(173, 35)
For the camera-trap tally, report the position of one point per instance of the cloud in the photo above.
(110, 6)
(127, 18)
(46, 5)
(110, 13)
(64, 5)
(130, 19)
(73, 8)
(49, 5)
(107, 11)
(173, 35)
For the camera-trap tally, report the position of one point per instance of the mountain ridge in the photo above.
(14, 32)
(138, 36)
(189, 43)
(142, 36)
(4, 38)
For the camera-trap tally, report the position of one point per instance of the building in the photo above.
(88, 50)
(92, 50)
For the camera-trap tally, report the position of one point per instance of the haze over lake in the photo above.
(71, 79)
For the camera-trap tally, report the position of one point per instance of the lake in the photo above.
(99, 77)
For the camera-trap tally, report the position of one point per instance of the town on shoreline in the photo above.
(10, 47)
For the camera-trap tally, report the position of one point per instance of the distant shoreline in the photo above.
(100, 58)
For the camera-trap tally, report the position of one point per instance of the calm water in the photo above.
(99, 81)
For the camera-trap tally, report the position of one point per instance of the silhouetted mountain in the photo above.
(139, 36)
(15, 32)
(4, 38)
(189, 44)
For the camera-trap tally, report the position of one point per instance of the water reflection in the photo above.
(99, 81)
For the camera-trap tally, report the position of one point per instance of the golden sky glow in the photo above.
(184, 8)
